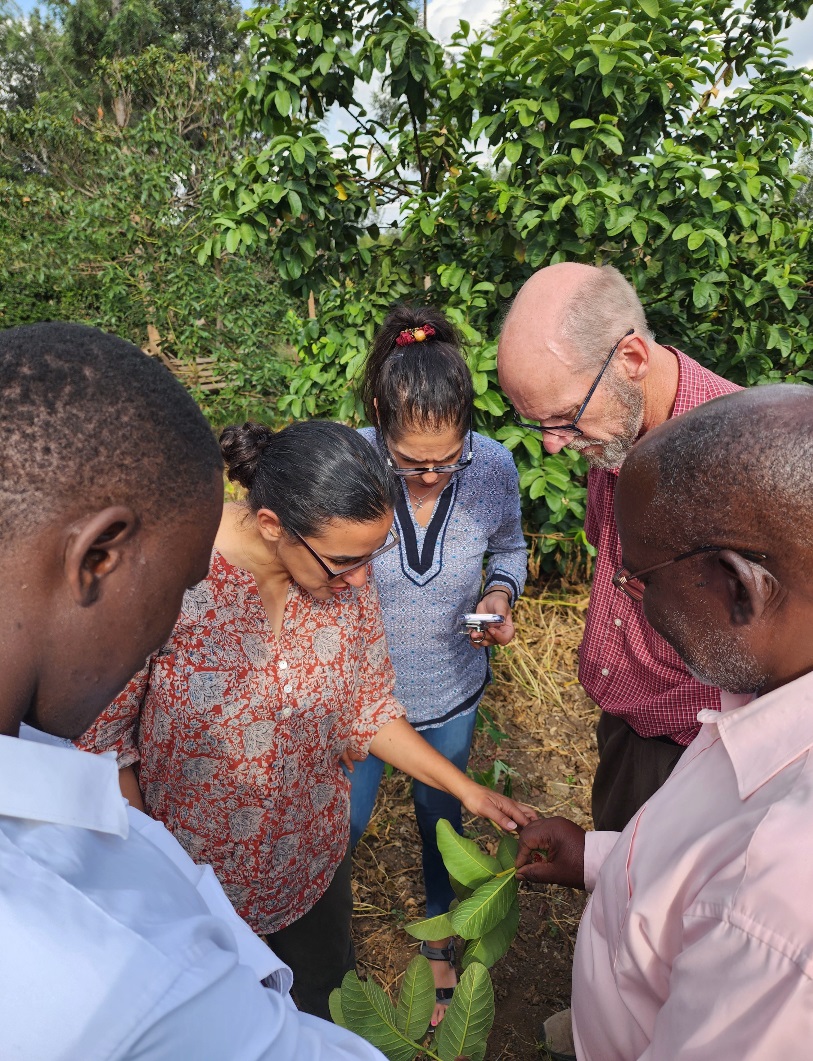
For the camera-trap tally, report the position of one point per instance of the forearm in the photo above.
(128, 782)
(397, 743)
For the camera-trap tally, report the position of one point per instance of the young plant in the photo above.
(486, 914)
(399, 1030)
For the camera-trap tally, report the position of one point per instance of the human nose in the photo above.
(356, 578)
(554, 443)
(429, 478)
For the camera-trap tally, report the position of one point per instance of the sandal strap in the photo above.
(439, 954)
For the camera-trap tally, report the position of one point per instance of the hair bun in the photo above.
(242, 446)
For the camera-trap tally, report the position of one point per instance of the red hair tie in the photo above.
(415, 335)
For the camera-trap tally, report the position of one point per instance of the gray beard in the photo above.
(612, 453)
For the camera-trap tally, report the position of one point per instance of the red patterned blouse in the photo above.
(238, 733)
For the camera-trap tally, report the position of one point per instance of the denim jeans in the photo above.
(452, 739)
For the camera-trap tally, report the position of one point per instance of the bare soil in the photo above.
(549, 727)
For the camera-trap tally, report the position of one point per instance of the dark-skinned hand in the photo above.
(551, 851)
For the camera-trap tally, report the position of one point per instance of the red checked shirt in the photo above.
(238, 734)
(624, 665)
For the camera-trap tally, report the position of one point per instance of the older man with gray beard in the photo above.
(578, 360)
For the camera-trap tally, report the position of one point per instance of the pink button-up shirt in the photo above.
(624, 665)
(697, 942)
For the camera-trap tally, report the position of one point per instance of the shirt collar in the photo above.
(60, 785)
(766, 735)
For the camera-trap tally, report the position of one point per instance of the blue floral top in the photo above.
(436, 575)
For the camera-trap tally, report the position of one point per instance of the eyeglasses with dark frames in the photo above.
(440, 469)
(390, 543)
(572, 429)
(630, 582)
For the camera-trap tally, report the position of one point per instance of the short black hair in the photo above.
(423, 385)
(309, 473)
(86, 416)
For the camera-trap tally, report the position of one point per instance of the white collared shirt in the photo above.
(114, 944)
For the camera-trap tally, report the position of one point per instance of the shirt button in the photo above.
(605, 671)
(617, 622)
(287, 688)
(286, 713)
(282, 664)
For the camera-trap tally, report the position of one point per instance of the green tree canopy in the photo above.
(605, 130)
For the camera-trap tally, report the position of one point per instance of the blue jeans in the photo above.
(452, 739)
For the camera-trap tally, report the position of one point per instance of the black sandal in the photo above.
(448, 954)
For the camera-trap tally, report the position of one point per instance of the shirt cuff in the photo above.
(597, 845)
(502, 582)
(371, 720)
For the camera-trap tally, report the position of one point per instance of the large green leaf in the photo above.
(463, 858)
(435, 928)
(464, 1030)
(507, 851)
(494, 945)
(417, 999)
(368, 1012)
(487, 907)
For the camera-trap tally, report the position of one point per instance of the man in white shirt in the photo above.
(113, 944)
(698, 939)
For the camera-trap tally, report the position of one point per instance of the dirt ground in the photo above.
(549, 742)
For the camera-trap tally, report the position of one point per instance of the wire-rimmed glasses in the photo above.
(571, 429)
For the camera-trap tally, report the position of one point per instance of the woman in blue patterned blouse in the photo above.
(459, 503)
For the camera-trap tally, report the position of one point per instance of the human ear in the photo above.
(632, 357)
(752, 589)
(269, 525)
(95, 549)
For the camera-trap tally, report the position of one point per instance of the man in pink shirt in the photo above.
(698, 939)
(578, 359)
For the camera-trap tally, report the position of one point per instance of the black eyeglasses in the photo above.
(630, 582)
(571, 428)
(390, 543)
(440, 469)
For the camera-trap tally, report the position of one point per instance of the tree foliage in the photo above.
(653, 134)
(99, 220)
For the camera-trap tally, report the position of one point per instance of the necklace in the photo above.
(419, 502)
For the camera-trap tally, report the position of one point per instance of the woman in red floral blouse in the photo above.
(277, 671)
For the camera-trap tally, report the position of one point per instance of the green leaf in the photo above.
(639, 229)
(368, 1012)
(486, 908)
(701, 293)
(495, 944)
(294, 202)
(507, 851)
(513, 150)
(582, 123)
(650, 7)
(433, 928)
(282, 101)
(417, 999)
(463, 858)
(464, 1030)
(335, 1005)
(607, 61)
(695, 240)
(550, 108)
(232, 240)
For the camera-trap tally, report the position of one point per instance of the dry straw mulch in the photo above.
(549, 724)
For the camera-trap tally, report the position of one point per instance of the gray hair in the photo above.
(603, 308)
